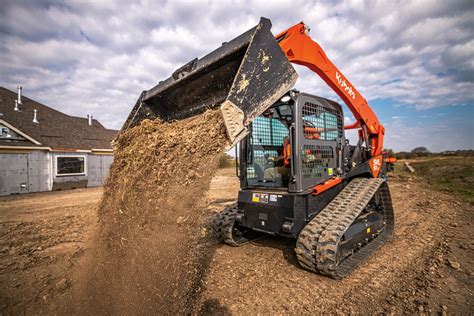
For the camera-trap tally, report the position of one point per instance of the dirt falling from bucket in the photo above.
(151, 231)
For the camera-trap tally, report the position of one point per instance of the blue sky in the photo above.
(412, 60)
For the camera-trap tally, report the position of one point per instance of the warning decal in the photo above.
(260, 198)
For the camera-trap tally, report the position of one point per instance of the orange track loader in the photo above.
(300, 178)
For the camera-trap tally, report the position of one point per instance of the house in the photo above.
(42, 149)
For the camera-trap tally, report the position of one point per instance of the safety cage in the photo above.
(312, 124)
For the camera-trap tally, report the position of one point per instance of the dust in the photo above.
(152, 234)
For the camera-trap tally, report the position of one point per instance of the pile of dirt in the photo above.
(151, 242)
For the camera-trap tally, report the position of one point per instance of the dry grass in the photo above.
(454, 175)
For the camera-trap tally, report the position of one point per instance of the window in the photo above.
(321, 122)
(70, 165)
(7, 134)
(265, 161)
(4, 132)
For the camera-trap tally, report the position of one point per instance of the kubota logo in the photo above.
(345, 86)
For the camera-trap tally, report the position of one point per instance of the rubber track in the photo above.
(316, 247)
(223, 225)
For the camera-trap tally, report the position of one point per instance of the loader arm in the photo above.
(300, 49)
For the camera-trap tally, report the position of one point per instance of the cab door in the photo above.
(319, 135)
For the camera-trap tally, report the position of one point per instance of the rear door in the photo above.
(319, 135)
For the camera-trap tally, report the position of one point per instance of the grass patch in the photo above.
(454, 175)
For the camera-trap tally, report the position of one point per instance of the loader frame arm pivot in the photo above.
(300, 49)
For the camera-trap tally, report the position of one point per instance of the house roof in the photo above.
(55, 129)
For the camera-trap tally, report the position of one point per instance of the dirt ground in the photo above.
(42, 238)
(428, 266)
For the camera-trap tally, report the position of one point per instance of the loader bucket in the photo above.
(243, 77)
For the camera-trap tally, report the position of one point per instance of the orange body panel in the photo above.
(301, 49)
(390, 160)
(376, 165)
(354, 125)
(326, 185)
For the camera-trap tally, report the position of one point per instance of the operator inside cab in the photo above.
(269, 148)
(276, 143)
(281, 164)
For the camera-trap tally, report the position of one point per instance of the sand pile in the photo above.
(150, 243)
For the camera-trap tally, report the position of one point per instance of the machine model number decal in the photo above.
(345, 86)
(376, 164)
(260, 198)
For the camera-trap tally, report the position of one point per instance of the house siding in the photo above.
(98, 169)
(35, 171)
(39, 171)
(13, 173)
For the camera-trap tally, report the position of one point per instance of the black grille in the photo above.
(266, 144)
(315, 161)
(321, 122)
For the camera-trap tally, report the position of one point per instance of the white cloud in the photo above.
(440, 136)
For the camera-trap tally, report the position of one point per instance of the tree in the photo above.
(388, 151)
(420, 150)
(226, 161)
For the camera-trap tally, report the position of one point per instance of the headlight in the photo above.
(285, 98)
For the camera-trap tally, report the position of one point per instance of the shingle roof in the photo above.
(55, 129)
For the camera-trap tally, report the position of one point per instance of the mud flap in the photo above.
(243, 77)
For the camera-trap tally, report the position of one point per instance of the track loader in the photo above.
(299, 176)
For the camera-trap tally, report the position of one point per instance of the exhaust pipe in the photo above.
(35, 116)
(19, 94)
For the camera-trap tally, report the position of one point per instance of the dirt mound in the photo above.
(150, 253)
